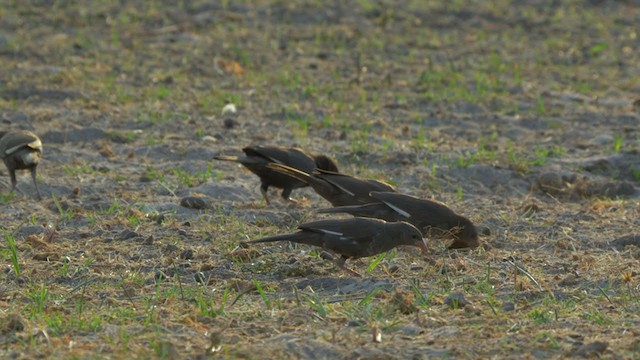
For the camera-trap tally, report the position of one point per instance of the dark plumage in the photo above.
(434, 219)
(21, 150)
(353, 237)
(258, 157)
(338, 189)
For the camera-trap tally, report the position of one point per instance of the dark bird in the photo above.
(338, 189)
(434, 219)
(353, 238)
(257, 158)
(21, 150)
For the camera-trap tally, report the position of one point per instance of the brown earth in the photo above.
(522, 116)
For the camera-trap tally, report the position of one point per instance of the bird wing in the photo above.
(276, 154)
(11, 142)
(378, 210)
(354, 237)
(353, 229)
(294, 157)
(359, 236)
(356, 187)
(295, 173)
(411, 207)
(400, 203)
(333, 227)
(420, 212)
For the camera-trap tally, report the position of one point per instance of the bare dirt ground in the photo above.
(519, 115)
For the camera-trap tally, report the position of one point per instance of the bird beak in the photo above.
(423, 247)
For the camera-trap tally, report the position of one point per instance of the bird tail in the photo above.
(284, 237)
(227, 158)
(364, 210)
(288, 170)
(350, 209)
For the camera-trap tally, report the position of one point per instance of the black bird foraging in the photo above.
(257, 158)
(338, 189)
(434, 219)
(354, 237)
(21, 150)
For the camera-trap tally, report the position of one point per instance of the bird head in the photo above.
(466, 234)
(325, 163)
(410, 235)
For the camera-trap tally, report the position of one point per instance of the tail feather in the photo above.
(342, 209)
(227, 158)
(284, 237)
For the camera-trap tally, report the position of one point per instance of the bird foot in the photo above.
(351, 272)
(264, 196)
(342, 265)
(340, 262)
(293, 202)
(325, 255)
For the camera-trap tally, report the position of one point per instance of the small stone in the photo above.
(484, 230)
(621, 242)
(243, 254)
(46, 256)
(155, 216)
(456, 301)
(355, 323)
(230, 122)
(127, 234)
(569, 280)
(551, 182)
(403, 301)
(208, 138)
(148, 240)
(187, 254)
(393, 269)
(592, 349)
(13, 323)
(170, 248)
(193, 202)
(200, 277)
(159, 275)
(615, 189)
(602, 140)
(508, 306)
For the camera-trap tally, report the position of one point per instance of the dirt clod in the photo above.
(193, 202)
(591, 349)
(456, 300)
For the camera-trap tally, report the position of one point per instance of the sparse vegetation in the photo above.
(466, 102)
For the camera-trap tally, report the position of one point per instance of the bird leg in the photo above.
(286, 195)
(14, 181)
(341, 263)
(33, 176)
(263, 191)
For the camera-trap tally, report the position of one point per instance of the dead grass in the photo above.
(425, 95)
